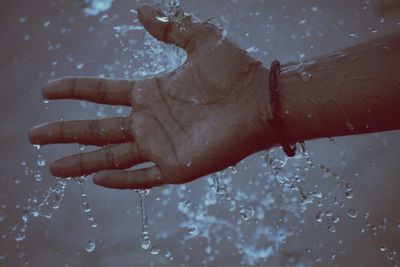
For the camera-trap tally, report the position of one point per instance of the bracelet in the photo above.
(276, 120)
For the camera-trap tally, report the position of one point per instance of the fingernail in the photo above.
(34, 134)
(57, 168)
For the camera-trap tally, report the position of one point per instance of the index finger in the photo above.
(98, 90)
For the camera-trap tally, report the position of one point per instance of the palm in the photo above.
(185, 122)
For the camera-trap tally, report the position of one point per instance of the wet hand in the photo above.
(205, 116)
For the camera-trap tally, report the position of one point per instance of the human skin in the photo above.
(213, 111)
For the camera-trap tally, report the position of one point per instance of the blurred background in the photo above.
(335, 205)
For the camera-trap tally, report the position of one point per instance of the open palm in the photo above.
(203, 117)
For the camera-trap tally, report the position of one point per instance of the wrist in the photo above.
(266, 135)
(293, 124)
(300, 117)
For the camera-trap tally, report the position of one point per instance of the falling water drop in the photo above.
(80, 65)
(349, 126)
(391, 254)
(333, 256)
(335, 219)
(22, 19)
(168, 254)
(354, 35)
(59, 194)
(144, 237)
(145, 241)
(246, 212)
(305, 76)
(154, 251)
(352, 213)
(40, 161)
(85, 203)
(192, 230)
(2, 216)
(38, 176)
(319, 216)
(373, 30)
(37, 147)
(90, 245)
(20, 236)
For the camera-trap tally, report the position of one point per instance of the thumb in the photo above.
(165, 28)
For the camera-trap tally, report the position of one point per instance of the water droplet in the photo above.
(3, 256)
(80, 65)
(234, 169)
(302, 21)
(20, 236)
(192, 230)
(38, 176)
(2, 215)
(59, 194)
(331, 229)
(90, 245)
(349, 126)
(328, 213)
(162, 19)
(40, 161)
(319, 216)
(354, 35)
(305, 76)
(16, 180)
(82, 147)
(373, 30)
(391, 254)
(154, 251)
(252, 49)
(247, 212)
(352, 213)
(22, 19)
(36, 146)
(168, 254)
(349, 195)
(145, 241)
(46, 24)
(335, 218)
(382, 248)
(332, 257)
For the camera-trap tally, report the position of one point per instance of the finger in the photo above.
(104, 91)
(164, 28)
(88, 132)
(120, 156)
(137, 179)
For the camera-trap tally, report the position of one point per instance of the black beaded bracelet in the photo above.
(276, 120)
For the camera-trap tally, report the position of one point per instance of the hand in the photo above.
(203, 117)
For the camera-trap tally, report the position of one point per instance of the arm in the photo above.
(354, 91)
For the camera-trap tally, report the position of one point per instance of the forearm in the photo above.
(354, 91)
